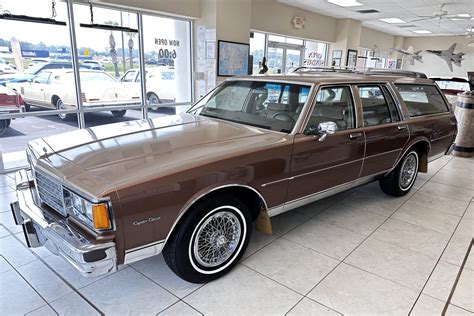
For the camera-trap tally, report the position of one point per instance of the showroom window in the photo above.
(167, 51)
(109, 59)
(285, 54)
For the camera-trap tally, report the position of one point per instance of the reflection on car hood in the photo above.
(125, 153)
(15, 78)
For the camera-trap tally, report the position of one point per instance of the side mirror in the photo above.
(325, 129)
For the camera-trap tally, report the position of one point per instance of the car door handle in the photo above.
(402, 127)
(355, 135)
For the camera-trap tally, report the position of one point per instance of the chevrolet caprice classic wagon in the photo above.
(191, 185)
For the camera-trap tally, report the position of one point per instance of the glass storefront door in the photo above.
(284, 57)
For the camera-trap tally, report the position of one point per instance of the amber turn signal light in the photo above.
(100, 215)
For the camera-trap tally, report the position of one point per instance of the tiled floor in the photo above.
(360, 252)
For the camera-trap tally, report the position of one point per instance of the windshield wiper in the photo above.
(237, 121)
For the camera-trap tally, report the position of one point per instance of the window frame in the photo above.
(313, 101)
(385, 96)
(407, 115)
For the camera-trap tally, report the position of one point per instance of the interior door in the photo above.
(275, 60)
(323, 162)
(292, 59)
(385, 134)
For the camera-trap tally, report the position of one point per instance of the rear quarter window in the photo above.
(422, 99)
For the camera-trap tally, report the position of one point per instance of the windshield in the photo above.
(33, 69)
(271, 105)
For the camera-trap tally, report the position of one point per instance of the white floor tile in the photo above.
(447, 191)
(402, 266)
(309, 307)
(327, 239)
(68, 272)
(412, 237)
(463, 181)
(4, 265)
(425, 217)
(427, 305)
(5, 200)
(128, 292)
(44, 281)
(375, 201)
(350, 218)
(156, 269)
(3, 231)
(14, 251)
(6, 181)
(352, 291)
(179, 309)
(295, 266)
(6, 219)
(46, 310)
(463, 293)
(16, 296)
(440, 203)
(73, 305)
(441, 281)
(243, 292)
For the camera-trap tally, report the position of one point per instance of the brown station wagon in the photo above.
(191, 185)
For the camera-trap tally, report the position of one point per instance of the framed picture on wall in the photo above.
(232, 58)
(351, 60)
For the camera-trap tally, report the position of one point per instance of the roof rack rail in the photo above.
(323, 69)
(394, 72)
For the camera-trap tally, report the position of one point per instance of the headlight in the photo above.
(95, 215)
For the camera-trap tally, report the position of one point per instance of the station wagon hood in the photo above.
(121, 154)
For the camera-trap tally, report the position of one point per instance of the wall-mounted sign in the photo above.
(298, 22)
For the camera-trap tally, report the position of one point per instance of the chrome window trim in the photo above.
(313, 105)
(189, 204)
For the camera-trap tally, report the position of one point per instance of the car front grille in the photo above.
(50, 192)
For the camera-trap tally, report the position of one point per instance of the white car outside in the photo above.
(6, 69)
(55, 89)
(160, 85)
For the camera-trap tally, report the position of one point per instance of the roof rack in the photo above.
(394, 72)
(323, 69)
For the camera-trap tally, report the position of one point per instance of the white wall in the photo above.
(433, 65)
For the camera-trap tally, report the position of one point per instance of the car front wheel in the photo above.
(210, 240)
(400, 180)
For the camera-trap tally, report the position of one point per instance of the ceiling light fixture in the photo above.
(345, 3)
(392, 20)
(422, 32)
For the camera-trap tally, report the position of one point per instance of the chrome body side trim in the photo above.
(41, 229)
(188, 205)
(320, 195)
(143, 252)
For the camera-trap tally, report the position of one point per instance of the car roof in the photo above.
(332, 78)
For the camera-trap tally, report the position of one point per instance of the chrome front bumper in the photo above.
(43, 229)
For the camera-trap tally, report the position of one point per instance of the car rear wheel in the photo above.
(210, 240)
(61, 106)
(400, 180)
(119, 113)
(153, 101)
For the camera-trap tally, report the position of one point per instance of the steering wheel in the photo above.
(288, 117)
